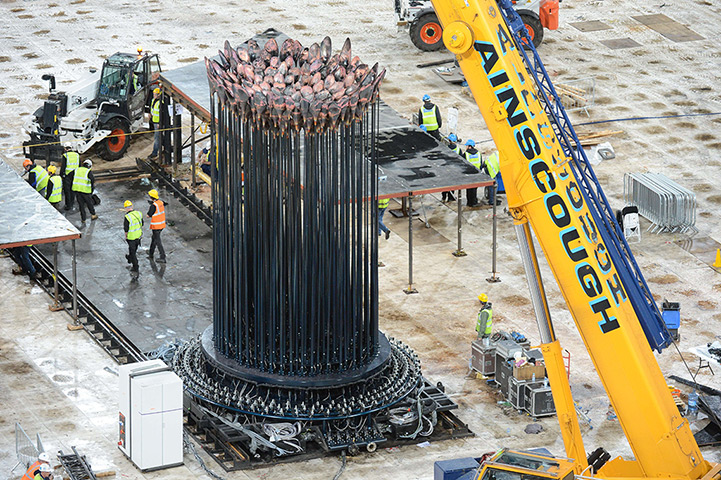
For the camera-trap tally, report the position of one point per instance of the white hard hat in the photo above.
(45, 468)
(88, 163)
(68, 145)
(44, 457)
(207, 145)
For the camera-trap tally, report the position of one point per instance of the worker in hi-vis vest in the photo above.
(54, 190)
(492, 167)
(155, 121)
(156, 214)
(133, 226)
(485, 317)
(429, 117)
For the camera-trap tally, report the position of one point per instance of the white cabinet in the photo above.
(151, 415)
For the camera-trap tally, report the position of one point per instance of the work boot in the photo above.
(127, 257)
(388, 234)
(93, 217)
(161, 260)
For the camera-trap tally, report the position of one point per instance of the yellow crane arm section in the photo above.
(542, 190)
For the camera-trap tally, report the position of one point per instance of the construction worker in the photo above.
(22, 257)
(37, 177)
(44, 472)
(133, 226)
(203, 160)
(156, 214)
(382, 207)
(492, 167)
(452, 139)
(70, 163)
(43, 459)
(155, 120)
(485, 317)
(429, 116)
(83, 185)
(54, 193)
(473, 157)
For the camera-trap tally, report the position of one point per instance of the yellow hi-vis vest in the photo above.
(135, 225)
(384, 203)
(56, 194)
(155, 111)
(456, 150)
(474, 159)
(72, 161)
(429, 118)
(493, 165)
(81, 181)
(485, 321)
(41, 177)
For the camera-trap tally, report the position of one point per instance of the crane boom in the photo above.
(549, 187)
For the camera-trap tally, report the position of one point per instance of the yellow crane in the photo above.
(544, 182)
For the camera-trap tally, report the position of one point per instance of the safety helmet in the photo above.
(44, 457)
(156, 90)
(452, 137)
(88, 163)
(483, 298)
(426, 98)
(27, 162)
(127, 204)
(470, 143)
(153, 194)
(51, 169)
(68, 145)
(45, 468)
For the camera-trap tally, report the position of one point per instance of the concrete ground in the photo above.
(54, 382)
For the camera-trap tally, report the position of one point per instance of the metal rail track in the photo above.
(186, 197)
(120, 173)
(93, 321)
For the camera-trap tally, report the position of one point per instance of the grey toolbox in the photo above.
(483, 357)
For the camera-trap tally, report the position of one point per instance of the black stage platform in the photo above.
(165, 301)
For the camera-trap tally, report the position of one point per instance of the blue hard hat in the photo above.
(470, 143)
(452, 137)
(426, 98)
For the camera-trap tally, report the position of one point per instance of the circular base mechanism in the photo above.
(347, 377)
(376, 387)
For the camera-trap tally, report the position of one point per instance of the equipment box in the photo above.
(517, 393)
(504, 372)
(507, 348)
(454, 469)
(483, 358)
(529, 372)
(538, 399)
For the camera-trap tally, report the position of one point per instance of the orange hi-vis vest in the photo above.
(30, 474)
(157, 221)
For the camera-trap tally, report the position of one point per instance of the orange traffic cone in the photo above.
(717, 263)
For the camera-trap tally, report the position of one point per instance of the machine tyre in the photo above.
(426, 32)
(115, 146)
(533, 24)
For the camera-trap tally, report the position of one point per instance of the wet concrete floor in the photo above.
(164, 301)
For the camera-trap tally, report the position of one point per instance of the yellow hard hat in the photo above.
(51, 169)
(483, 297)
(153, 194)
(127, 204)
(156, 90)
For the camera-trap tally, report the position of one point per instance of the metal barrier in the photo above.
(577, 94)
(25, 451)
(669, 206)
